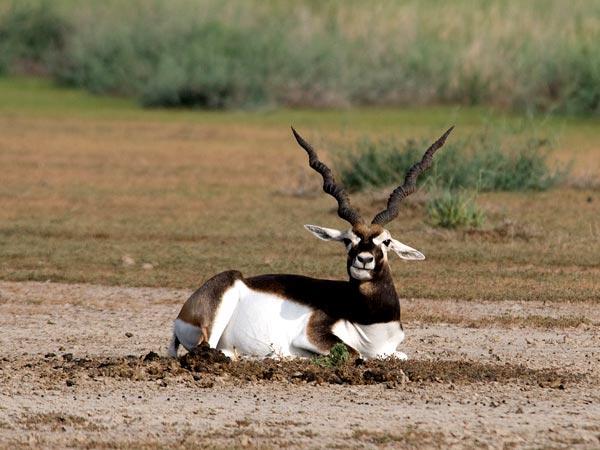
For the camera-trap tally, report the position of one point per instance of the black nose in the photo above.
(366, 259)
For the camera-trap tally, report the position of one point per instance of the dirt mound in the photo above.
(204, 359)
(206, 366)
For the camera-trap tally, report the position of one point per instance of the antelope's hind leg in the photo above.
(189, 334)
(206, 313)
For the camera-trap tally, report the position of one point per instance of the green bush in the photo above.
(378, 163)
(31, 36)
(485, 162)
(454, 209)
(185, 63)
(218, 67)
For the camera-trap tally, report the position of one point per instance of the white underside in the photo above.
(260, 324)
(266, 325)
(377, 340)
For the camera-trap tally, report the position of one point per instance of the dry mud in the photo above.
(83, 366)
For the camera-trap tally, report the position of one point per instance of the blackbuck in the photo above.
(293, 315)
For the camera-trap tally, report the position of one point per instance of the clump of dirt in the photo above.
(204, 359)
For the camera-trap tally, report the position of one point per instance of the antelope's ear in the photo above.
(404, 251)
(326, 234)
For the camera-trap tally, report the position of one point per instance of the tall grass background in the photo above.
(538, 55)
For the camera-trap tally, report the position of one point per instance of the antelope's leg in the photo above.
(319, 338)
(204, 337)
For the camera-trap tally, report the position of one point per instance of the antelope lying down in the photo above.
(293, 315)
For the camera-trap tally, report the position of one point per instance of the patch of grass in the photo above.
(487, 161)
(506, 321)
(338, 356)
(454, 209)
(372, 164)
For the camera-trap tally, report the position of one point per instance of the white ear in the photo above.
(327, 234)
(404, 251)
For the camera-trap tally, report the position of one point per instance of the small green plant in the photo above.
(453, 209)
(338, 355)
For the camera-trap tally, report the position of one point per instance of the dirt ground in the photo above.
(77, 370)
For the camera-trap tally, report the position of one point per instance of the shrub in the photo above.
(481, 163)
(189, 62)
(374, 164)
(31, 36)
(454, 209)
(218, 67)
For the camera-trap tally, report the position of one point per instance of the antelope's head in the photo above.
(368, 245)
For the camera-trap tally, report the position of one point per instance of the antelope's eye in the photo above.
(347, 242)
(387, 242)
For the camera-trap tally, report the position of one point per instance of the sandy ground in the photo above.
(47, 326)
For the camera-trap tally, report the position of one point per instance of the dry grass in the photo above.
(55, 422)
(149, 201)
(530, 321)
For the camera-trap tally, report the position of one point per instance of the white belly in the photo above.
(371, 341)
(266, 325)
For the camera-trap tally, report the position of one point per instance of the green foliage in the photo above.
(538, 56)
(31, 37)
(377, 163)
(485, 162)
(338, 356)
(220, 67)
(454, 209)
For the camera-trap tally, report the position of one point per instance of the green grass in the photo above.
(456, 209)
(339, 355)
(195, 193)
(492, 160)
(36, 96)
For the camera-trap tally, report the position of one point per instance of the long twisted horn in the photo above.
(345, 211)
(410, 183)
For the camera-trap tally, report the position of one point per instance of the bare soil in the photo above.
(83, 366)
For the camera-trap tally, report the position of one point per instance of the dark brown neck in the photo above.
(379, 294)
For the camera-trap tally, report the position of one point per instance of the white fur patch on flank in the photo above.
(227, 306)
(264, 324)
